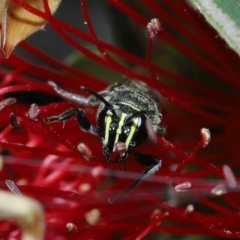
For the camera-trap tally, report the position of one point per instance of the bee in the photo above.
(128, 114)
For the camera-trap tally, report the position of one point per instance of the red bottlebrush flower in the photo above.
(61, 168)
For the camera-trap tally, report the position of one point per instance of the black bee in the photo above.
(128, 114)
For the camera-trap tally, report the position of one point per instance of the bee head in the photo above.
(122, 127)
(121, 131)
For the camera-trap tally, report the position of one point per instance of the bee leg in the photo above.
(153, 165)
(92, 100)
(81, 118)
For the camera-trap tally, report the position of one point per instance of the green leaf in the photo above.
(224, 16)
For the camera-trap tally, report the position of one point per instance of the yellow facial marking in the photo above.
(108, 122)
(132, 131)
(121, 122)
(119, 130)
(128, 104)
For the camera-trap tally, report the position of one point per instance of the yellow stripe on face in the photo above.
(108, 122)
(119, 130)
(121, 122)
(128, 104)
(132, 131)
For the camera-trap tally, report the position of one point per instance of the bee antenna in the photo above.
(102, 99)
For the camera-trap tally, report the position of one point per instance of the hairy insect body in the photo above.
(127, 115)
(127, 99)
